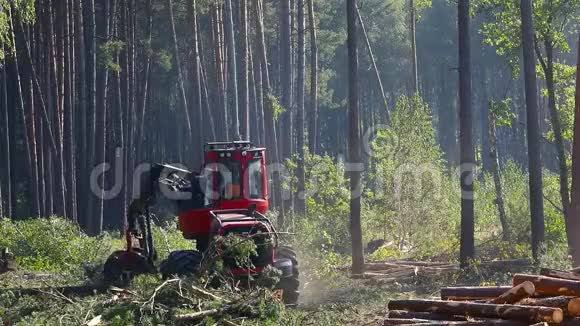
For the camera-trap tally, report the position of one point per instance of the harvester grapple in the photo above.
(228, 196)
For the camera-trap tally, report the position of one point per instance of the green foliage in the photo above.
(386, 252)
(412, 190)
(516, 188)
(565, 82)
(56, 244)
(500, 111)
(23, 10)
(327, 202)
(275, 106)
(411, 200)
(52, 244)
(238, 248)
(108, 54)
(163, 59)
(168, 238)
(502, 29)
(421, 5)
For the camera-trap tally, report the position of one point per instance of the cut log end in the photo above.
(515, 294)
(557, 316)
(574, 307)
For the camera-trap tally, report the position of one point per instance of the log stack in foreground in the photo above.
(553, 298)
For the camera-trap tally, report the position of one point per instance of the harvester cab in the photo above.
(228, 196)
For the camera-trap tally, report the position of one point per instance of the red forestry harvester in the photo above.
(229, 196)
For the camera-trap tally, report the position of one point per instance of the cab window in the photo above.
(254, 179)
(229, 176)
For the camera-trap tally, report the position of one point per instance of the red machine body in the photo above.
(228, 197)
(236, 179)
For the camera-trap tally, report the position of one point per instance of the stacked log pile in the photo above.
(553, 297)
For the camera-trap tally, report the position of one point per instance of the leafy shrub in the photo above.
(414, 200)
(325, 226)
(53, 244)
(56, 244)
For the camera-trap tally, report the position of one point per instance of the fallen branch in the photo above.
(203, 293)
(151, 300)
(240, 309)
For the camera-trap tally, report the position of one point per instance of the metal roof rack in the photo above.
(230, 145)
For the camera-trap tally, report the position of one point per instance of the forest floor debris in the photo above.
(398, 270)
(148, 301)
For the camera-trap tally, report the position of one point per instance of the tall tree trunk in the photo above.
(132, 117)
(534, 147)
(575, 207)
(91, 72)
(286, 120)
(375, 68)
(30, 128)
(232, 69)
(285, 80)
(7, 151)
(467, 251)
(412, 23)
(257, 74)
(45, 111)
(548, 67)
(254, 104)
(485, 141)
(83, 128)
(35, 195)
(300, 199)
(195, 83)
(183, 96)
(71, 208)
(313, 111)
(269, 124)
(21, 108)
(35, 85)
(245, 94)
(205, 97)
(96, 225)
(145, 90)
(222, 115)
(122, 105)
(54, 57)
(492, 130)
(354, 153)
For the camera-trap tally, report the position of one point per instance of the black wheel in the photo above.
(121, 266)
(289, 284)
(181, 263)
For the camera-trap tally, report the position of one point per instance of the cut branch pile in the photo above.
(404, 269)
(552, 297)
(174, 301)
